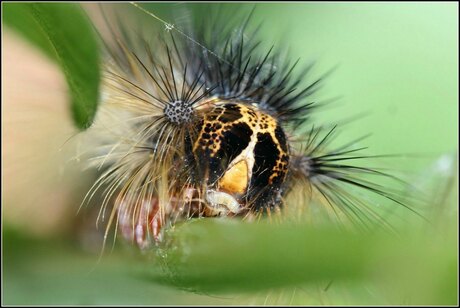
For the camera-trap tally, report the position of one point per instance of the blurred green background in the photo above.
(396, 62)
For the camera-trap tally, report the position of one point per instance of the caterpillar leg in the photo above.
(144, 228)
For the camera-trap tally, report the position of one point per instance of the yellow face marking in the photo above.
(235, 180)
(254, 139)
(214, 118)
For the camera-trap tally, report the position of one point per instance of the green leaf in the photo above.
(64, 33)
(226, 256)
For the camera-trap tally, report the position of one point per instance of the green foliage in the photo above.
(222, 256)
(64, 33)
(240, 263)
(226, 256)
(230, 256)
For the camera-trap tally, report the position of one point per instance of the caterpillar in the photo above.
(198, 121)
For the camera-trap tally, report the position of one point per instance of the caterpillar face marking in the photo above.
(199, 123)
(244, 152)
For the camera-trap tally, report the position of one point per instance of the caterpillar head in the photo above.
(242, 152)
